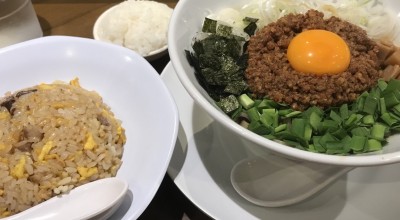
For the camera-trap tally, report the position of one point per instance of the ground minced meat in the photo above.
(269, 73)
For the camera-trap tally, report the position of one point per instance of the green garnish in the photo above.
(224, 30)
(229, 104)
(358, 128)
(246, 101)
(219, 63)
(251, 25)
(209, 26)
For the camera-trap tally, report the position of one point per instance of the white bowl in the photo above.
(98, 33)
(127, 83)
(185, 22)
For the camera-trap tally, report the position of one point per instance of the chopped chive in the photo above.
(382, 85)
(269, 117)
(307, 132)
(344, 111)
(246, 101)
(326, 138)
(298, 127)
(360, 101)
(357, 143)
(315, 121)
(391, 100)
(382, 105)
(266, 103)
(334, 147)
(370, 105)
(396, 109)
(335, 116)
(352, 119)
(392, 85)
(318, 146)
(284, 112)
(259, 128)
(328, 125)
(253, 114)
(388, 119)
(360, 131)
(368, 120)
(378, 131)
(373, 145)
(346, 141)
(293, 114)
(280, 128)
(340, 133)
(338, 147)
(312, 148)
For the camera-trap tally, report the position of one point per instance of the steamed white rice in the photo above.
(54, 137)
(139, 25)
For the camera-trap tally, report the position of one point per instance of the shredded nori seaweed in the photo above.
(224, 30)
(219, 63)
(251, 28)
(209, 26)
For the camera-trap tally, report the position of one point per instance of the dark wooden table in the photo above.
(76, 18)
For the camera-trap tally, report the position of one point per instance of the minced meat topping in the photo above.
(270, 74)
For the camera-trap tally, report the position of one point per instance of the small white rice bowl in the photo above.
(138, 25)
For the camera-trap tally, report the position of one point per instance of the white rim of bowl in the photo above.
(351, 160)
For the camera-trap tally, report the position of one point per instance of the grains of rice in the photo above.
(54, 137)
(139, 25)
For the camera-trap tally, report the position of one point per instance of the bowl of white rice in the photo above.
(141, 26)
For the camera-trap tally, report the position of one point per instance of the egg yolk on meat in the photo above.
(318, 52)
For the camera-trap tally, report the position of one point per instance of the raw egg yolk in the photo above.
(318, 52)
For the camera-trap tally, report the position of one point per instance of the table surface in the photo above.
(76, 18)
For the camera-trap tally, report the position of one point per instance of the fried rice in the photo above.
(54, 137)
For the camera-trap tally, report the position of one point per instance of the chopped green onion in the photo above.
(391, 100)
(344, 111)
(388, 119)
(334, 116)
(382, 105)
(396, 109)
(259, 128)
(368, 120)
(298, 127)
(373, 145)
(360, 131)
(269, 117)
(357, 143)
(253, 114)
(329, 125)
(246, 101)
(370, 105)
(382, 85)
(317, 145)
(280, 128)
(293, 114)
(378, 131)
